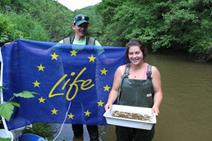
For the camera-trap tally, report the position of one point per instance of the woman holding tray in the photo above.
(136, 84)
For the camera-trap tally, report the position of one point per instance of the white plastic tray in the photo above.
(133, 123)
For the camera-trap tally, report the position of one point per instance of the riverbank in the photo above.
(194, 57)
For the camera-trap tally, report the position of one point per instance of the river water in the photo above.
(186, 111)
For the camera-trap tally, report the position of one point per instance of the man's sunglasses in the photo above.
(79, 18)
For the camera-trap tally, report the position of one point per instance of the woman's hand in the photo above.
(155, 110)
(108, 106)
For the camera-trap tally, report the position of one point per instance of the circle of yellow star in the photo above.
(54, 111)
(92, 58)
(36, 83)
(54, 56)
(100, 103)
(103, 71)
(73, 53)
(87, 113)
(41, 100)
(70, 116)
(106, 88)
(40, 67)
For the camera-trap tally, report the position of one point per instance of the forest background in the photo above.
(163, 25)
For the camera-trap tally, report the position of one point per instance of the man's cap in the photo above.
(80, 19)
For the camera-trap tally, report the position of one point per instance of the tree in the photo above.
(159, 24)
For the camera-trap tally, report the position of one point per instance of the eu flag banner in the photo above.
(72, 81)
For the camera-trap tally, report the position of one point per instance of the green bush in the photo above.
(13, 27)
(5, 29)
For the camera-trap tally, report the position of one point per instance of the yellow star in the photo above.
(103, 71)
(87, 113)
(92, 58)
(70, 116)
(54, 111)
(40, 67)
(73, 53)
(106, 88)
(41, 100)
(54, 56)
(36, 83)
(100, 103)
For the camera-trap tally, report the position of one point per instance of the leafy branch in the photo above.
(7, 108)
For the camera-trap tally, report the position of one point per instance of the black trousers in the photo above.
(92, 131)
(132, 134)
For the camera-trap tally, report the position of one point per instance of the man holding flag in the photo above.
(80, 37)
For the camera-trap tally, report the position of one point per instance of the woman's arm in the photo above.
(158, 94)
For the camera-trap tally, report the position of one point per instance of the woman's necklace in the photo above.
(137, 73)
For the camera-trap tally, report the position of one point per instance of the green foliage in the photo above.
(5, 29)
(44, 20)
(7, 108)
(159, 24)
(56, 20)
(25, 94)
(13, 26)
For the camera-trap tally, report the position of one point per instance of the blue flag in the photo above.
(72, 81)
